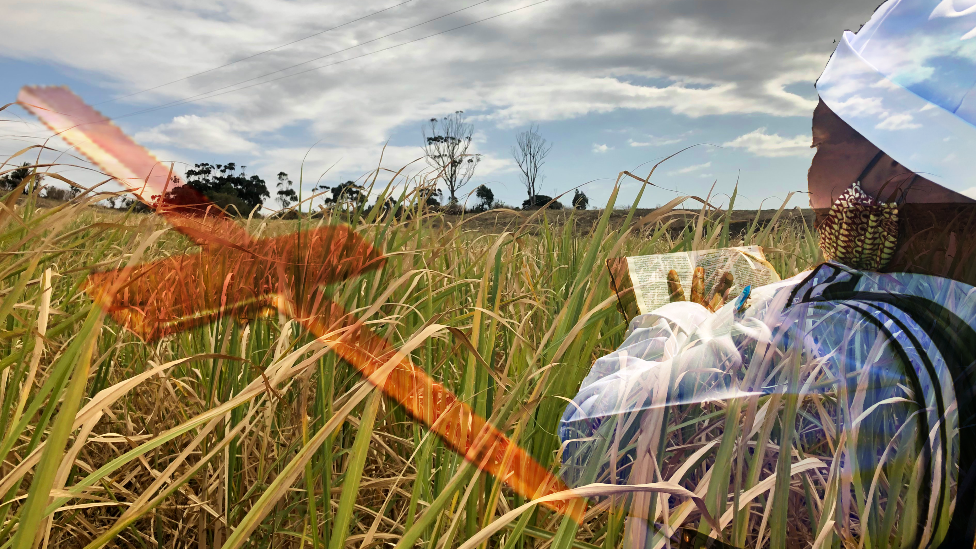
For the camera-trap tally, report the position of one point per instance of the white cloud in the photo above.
(558, 61)
(209, 134)
(900, 121)
(885, 84)
(655, 141)
(760, 143)
(600, 149)
(584, 58)
(690, 169)
(532, 99)
(695, 41)
(807, 69)
(858, 106)
(330, 164)
(491, 164)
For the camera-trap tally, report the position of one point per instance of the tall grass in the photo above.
(106, 441)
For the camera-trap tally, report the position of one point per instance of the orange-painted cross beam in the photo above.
(236, 274)
(187, 290)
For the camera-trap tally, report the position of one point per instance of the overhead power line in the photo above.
(225, 65)
(210, 94)
(319, 58)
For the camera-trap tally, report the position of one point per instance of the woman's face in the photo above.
(843, 154)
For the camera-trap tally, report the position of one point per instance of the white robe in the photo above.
(886, 334)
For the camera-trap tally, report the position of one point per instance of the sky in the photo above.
(613, 85)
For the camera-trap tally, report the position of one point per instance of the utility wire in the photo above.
(194, 75)
(211, 94)
(201, 95)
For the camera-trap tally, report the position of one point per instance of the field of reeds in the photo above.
(226, 435)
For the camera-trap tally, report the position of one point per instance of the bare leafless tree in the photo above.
(530, 154)
(446, 144)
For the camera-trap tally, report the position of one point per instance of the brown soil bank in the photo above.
(496, 221)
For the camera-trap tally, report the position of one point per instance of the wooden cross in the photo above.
(237, 274)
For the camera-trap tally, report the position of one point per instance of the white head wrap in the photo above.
(907, 82)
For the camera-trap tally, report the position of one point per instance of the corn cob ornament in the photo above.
(674, 286)
(859, 231)
(698, 286)
(721, 292)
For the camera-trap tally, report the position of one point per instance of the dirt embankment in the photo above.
(497, 221)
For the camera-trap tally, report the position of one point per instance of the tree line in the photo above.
(448, 151)
(447, 145)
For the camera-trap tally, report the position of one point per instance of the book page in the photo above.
(622, 286)
(649, 274)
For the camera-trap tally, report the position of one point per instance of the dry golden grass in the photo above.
(190, 441)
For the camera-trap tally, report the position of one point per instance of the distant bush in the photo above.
(486, 199)
(226, 187)
(55, 193)
(451, 209)
(430, 196)
(230, 203)
(12, 178)
(539, 201)
(286, 214)
(134, 206)
(580, 200)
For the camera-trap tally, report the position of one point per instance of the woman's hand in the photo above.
(714, 302)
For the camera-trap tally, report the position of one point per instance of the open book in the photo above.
(641, 283)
